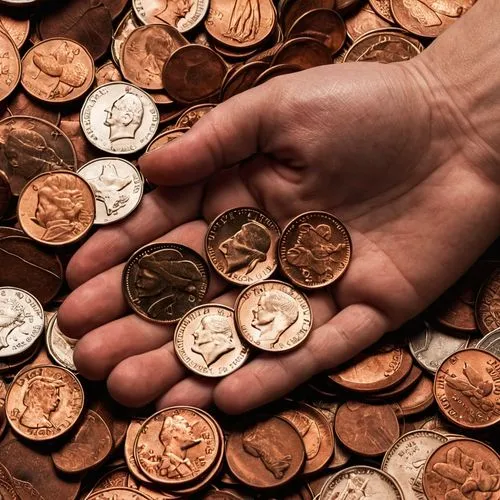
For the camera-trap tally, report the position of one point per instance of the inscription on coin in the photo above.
(10, 65)
(488, 304)
(491, 342)
(18, 29)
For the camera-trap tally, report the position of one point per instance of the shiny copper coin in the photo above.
(364, 21)
(115, 478)
(107, 73)
(177, 445)
(487, 309)
(418, 399)
(303, 52)
(243, 78)
(56, 208)
(8, 490)
(17, 28)
(383, 9)
(87, 448)
(265, 454)
(402, 387)
(324, 25)
(163, 281)
(193, 114)
(57, 70)
(30, 267)
(240, 24)
(44, 402)
(193, 73)
(274, 71)
(273, 316)
(292, 10)
(132, 432)
(166, 137)
(462, 468)
(145, 52)
(127, 25)
(231, 53)
(467, 389)
(377, 369)
(22, 104)
(368, 430)
(31, 146)
(150, 490)
(118, 493)
(11, 65)
(5, 194)
(241, 244)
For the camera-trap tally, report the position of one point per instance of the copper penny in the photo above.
(44, 402)
(22, 103)
(31, 146)
(315, 431)
(207, 343)
(383, 9)
(242, 79)
(11, 65)
(241, 244)
(487, 308)
(57, 70)
(177, 445)
(118, 493)
(419, 399)
(303, 52)
(145, 52)
(17, 28)
(273, 316)
(132, 432)
(402, 387)
(127, 25)
(274, 71)
(314, 250)
(193, 114)
(59, 346)
(115, 7)
(364, 21)
(265, 454)
(166, 137)
(368, 430)
(107, 73)
(462, 468)
(240, 24)
(149, 489)
(467, 389)
(375, 370)
(193, 73)
(115, 478)
(163, 281)
(56, 208)
(292, 10)
(5, 194)
(28, 266)
(88, 447)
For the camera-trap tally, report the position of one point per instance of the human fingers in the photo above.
(191, 391)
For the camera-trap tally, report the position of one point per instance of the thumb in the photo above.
(231, 132)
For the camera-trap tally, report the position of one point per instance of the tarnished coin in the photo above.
(207, 343)
(118, 493)
(116, 478)
(56, 208)
(44, 402)
(17, 28)
(23, 104)
(119, 118)
(145, 52)
(107, 73)
(368, 430)
(5, 194)
(383, 9)
(21, 321)
(418, 399)
(290, 11)
(462, 468)
(117, 186)
(314, 250)
(132, 431)
(303, 52)
(364, 21)
(266, 453)
(243, 78)
(57, 70)
(165, 138)
(31, 146)
(177, 445)
(490, 343)
(88, 447)
(115, 7)
(361, 482)
(274, 71)
(405, 460)
(193, 114)
(467, 389)
(163, 281)
(59, 346)
(273, 316)
(127, 25)
(488, 304)
(241, 244)
(11, 65)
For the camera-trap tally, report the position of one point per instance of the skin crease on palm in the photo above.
(407, 155)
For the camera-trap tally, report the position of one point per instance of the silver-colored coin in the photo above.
(361, 482)
(59, 346)
(21, 321)
(117, 186)
(431, 347)
(183, 15)
(119, 118)
(490, 342)
(405, 460)
(128, 24)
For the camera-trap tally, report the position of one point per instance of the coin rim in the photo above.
(19, 64)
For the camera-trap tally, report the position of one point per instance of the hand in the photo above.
(375, 145)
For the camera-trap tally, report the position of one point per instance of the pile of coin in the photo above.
(85, 87)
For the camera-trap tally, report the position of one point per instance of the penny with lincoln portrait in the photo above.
(177, 445)
(314, 250)
(207, 343)
(44, 402)
(241, 244)
(273, 316)
(56, 208)
(163, 281)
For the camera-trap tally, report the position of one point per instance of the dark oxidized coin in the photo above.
(303, 52)
(22, 104)
(163, 281)
(242, 79)
(11, 65)
(165, 138)
(488, 304)
(115, 7)
(274, 71)
(5, 194)
(291, 11)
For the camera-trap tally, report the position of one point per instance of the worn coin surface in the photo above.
(177, 445)
(127, 25)
(289, 11)
(488, 304)
(273, 316)
(467, 389)
(17, 28)
(165, 138)
(303, 52)
(490, 342)
(120, 492)
(107, 73)
(364, 21)
(206, 341)
(243, 78)
(314, 250)
(241, 244)
(44, 402)
(383, 9)
(163, 281)
(31, 146)
(462, 468)
(418, 399)
(361, 482)
(59, 346)
(23, 104)
(193, 114)
(119, 118)
(21, 321)
(406, 458)
(56, 208)
(117, 186)
(11, 65)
